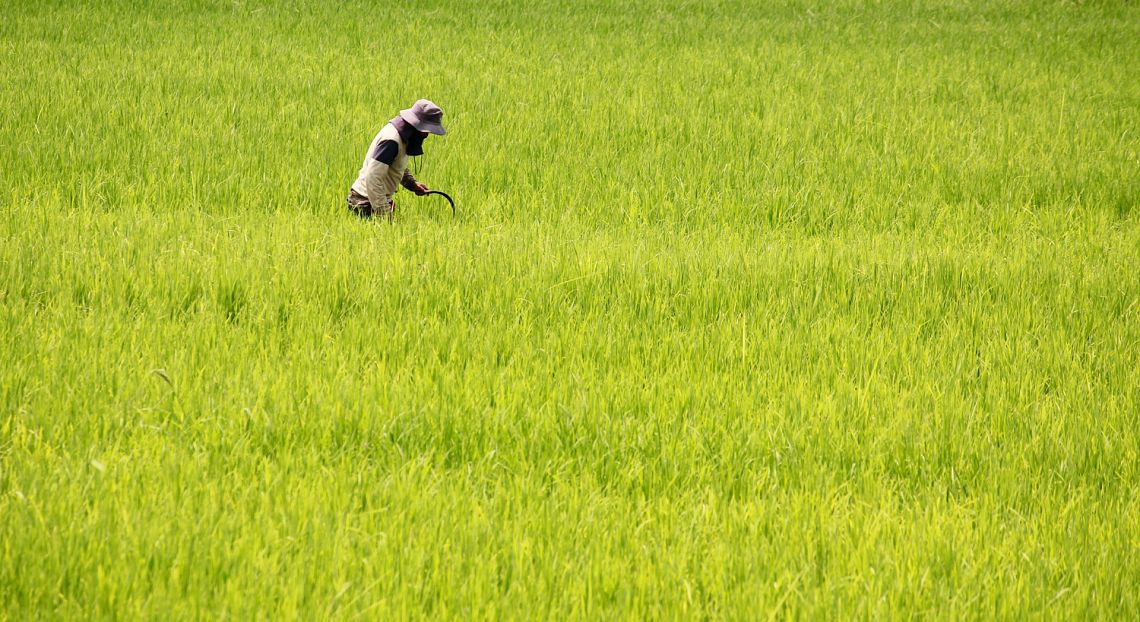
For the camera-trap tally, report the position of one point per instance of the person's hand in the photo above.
(421, 189)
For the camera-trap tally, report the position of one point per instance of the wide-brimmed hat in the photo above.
(425, 117)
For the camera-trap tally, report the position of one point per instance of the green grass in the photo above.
(752, 310)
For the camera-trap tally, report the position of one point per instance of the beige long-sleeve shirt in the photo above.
(385, 168)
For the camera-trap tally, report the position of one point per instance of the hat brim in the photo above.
(421, 125)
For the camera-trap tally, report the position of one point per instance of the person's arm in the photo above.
(410, 183)
(378, 162)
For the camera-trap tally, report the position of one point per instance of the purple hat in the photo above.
(425, 117)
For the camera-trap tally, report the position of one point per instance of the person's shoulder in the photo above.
(386, 151)
(389, 132)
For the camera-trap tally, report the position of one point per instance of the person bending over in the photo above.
(385, 166)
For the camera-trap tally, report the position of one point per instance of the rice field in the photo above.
(751, 310)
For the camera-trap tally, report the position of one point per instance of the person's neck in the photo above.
(407, 132)
(413, 138)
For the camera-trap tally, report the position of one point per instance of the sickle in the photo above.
(444, 195)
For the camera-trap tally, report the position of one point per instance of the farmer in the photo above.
(385, 166)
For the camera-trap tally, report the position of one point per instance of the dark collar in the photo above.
(412, 138)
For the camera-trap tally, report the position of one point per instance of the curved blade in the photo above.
(444, 195)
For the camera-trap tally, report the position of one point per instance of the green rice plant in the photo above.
(750, 310)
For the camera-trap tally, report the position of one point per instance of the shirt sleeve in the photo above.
(386, 152)
(409, 182)
(376, 170)
(374, 174)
